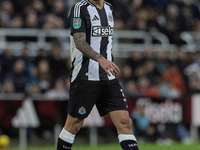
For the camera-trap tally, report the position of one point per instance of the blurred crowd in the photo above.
(170, 17)
(48, 14)
(48, 72)
(161, 73)
(146, 73)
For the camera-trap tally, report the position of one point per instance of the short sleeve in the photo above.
(77, 24)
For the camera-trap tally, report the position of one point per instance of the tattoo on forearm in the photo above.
(84, 47)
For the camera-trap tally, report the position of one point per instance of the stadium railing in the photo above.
(124, 41)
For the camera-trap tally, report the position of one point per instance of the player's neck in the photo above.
(98, 3)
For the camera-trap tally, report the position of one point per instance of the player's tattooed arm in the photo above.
(85, 48)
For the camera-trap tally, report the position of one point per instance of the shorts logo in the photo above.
(82, 110)
(76, 23)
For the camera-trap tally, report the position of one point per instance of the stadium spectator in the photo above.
(34, 89)
(16, 22)
(44, 75)
(174, 78)
(59, 8)
(32, 78)
(146, 88)
(126, 73)
(25, 56)
(192, 73)
(39, 10)
(119, 25)
(161, 61)
(141, 21)
(58, 63)
(6, 11)
(128, 84)
(180, 60)
(131, 89)
(7, 61)
(58, 92)
(42, 55)
(168, 90)
(148, 53)
(141, 122)
(19, 76)
(193, 86)
(8, 87)
(139, 72)
(53, 22)
(135, 60)
(151, 71)
(122, 12)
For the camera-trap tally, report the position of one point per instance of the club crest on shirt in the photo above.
(82, 110)
(110, 17)
(76, 23)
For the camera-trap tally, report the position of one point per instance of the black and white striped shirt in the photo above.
(98, 26)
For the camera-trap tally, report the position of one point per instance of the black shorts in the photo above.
(107, 95)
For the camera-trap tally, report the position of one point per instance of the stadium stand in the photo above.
(147, 70)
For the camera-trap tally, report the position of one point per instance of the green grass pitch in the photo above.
(176, 146)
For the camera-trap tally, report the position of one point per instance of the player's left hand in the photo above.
(108, 66)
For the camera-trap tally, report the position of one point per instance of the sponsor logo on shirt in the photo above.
(98, 31)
